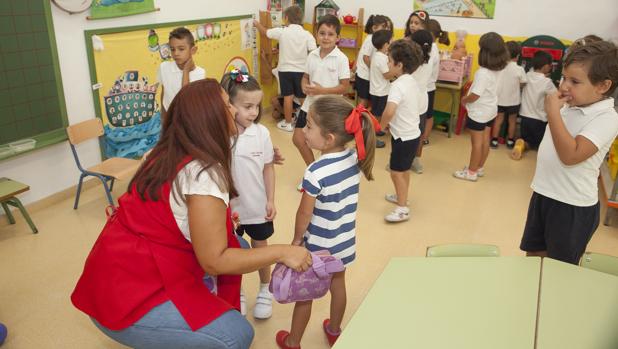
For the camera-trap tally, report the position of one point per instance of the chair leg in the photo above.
(107, 191)
(111, 186)
(79, 191)
(7, 210)
(17, 203)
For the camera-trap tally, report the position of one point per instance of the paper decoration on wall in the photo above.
(247, 34)
(457, 8)
(119, 8)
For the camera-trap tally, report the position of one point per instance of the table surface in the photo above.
(449, 302)
(9, 188)
(578, 308)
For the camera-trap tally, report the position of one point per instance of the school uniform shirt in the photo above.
(325, 71)
(367, 49)
(422, 75)
(577, 184)
(378, 85)
(170, 77)
(485, 108)
(406, 94)
(294, 44)
(533, 96)
(434, 62)
(333, 180)
(509, 84)
(253, 150)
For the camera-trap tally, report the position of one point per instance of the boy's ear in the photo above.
(603, 86)
(193, 49)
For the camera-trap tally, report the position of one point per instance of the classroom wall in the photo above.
(52, 169)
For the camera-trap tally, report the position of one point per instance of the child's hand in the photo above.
(235, 220)
(297, 242)
(256, 23)
(310, 89)
(555, 101)
(271, 211)
(189, 65)
(278, 158)
(297, 258)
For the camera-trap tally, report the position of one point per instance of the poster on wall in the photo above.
(119, 8)
(458, 8)
(123, 70)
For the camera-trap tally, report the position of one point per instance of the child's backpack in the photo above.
(288, 286)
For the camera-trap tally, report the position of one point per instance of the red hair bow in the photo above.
(354, 125)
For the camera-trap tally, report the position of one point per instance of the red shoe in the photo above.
(280, 339)
(331, 337)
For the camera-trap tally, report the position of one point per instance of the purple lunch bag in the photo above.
(289, 286)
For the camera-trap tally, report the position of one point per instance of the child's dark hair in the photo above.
(436, 30)
(377, 20)
(424, 39)
(182, 33)
(588, 39)
(294, 14)
(233, 82)
(330, 112)
(422, 15)
(493, 54)
(541, 59)
(381, 38)
(406, 52)
(330, 21)
(601, 60)
(514, 48)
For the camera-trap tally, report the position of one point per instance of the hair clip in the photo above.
(239, 76)
(421, 14)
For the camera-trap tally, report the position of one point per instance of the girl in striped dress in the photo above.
(326, 217)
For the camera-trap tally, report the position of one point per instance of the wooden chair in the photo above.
(463, 250)
(107, 171)
(600, 262)
(8, 189)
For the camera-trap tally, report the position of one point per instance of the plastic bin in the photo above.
(22, 145)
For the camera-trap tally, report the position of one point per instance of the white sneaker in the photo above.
(480, 172)
(299, 187)
(465, 174)
(417, 167)
(285, 126)
(393, 198)
(243, 303)
(263, 305)
(399, 214)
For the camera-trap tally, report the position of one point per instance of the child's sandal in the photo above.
(280, 339)
(331, 337)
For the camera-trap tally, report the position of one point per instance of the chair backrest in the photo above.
(600, 262)
(85, 130)
(463, 250)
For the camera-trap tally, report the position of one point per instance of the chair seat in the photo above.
(10, 188)
(119, 168)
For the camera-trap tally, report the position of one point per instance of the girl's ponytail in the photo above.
(443, 38)
(369, 137)
(369, 25)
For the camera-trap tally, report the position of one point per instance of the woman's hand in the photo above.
(278, 158)
(297, 258)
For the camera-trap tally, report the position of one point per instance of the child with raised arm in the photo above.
(323, 223)
(582, 124)
(294, 44)
(174, 75)
(380, 76)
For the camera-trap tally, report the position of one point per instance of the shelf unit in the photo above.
(359, 29)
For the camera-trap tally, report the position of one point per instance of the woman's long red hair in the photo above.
(198, 125)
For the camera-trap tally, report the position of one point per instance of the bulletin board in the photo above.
(32, 108)
(123, 71)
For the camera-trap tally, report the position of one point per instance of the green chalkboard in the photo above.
(31, 96)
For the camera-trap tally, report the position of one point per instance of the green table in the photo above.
(8, 191)
(578, 308)
(454, 90)
(451, 302)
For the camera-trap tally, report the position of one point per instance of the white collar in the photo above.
(334, 52)
(594, 108)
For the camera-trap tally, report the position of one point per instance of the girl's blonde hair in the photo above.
(330, 113)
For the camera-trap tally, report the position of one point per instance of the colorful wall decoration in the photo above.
(123, 71)
(457, 8)
(119, 8)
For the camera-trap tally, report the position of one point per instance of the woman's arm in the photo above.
(207, 224)
(303, 218)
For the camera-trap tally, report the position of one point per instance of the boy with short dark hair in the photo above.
(582, 124)
(379, 75)
(174, 75)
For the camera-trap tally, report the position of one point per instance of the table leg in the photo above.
(452, 115)
(9, 215)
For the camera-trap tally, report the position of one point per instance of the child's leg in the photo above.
(497, 126)
(428, 128)
(288, 102)
(338, 301)
(476, 149)
(277, 108)
(299, 141)
(401, 182)
(486, 140)
(264, 272)
(512, 119)
(300, 319)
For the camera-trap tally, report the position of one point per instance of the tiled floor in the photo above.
(38, 272)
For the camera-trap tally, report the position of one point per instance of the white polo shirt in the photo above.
(485, 86)
(533, 96)
(406, 94)
(326, 71)
(294, 45)
(367, 49)
(252, 151)
(509, 84)
(434, 62)
(577, 184)
(378, 85)
(170, 77)
(422, 75)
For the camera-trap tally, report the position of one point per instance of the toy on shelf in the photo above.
(325, 7)
(459, 50)
(349, 19)
(455, 70)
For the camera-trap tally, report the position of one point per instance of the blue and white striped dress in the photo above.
(333, 180)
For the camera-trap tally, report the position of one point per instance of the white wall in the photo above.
(559, 18)
(52, 169)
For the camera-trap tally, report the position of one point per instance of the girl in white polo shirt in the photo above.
(482, 103)
(254, 175)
